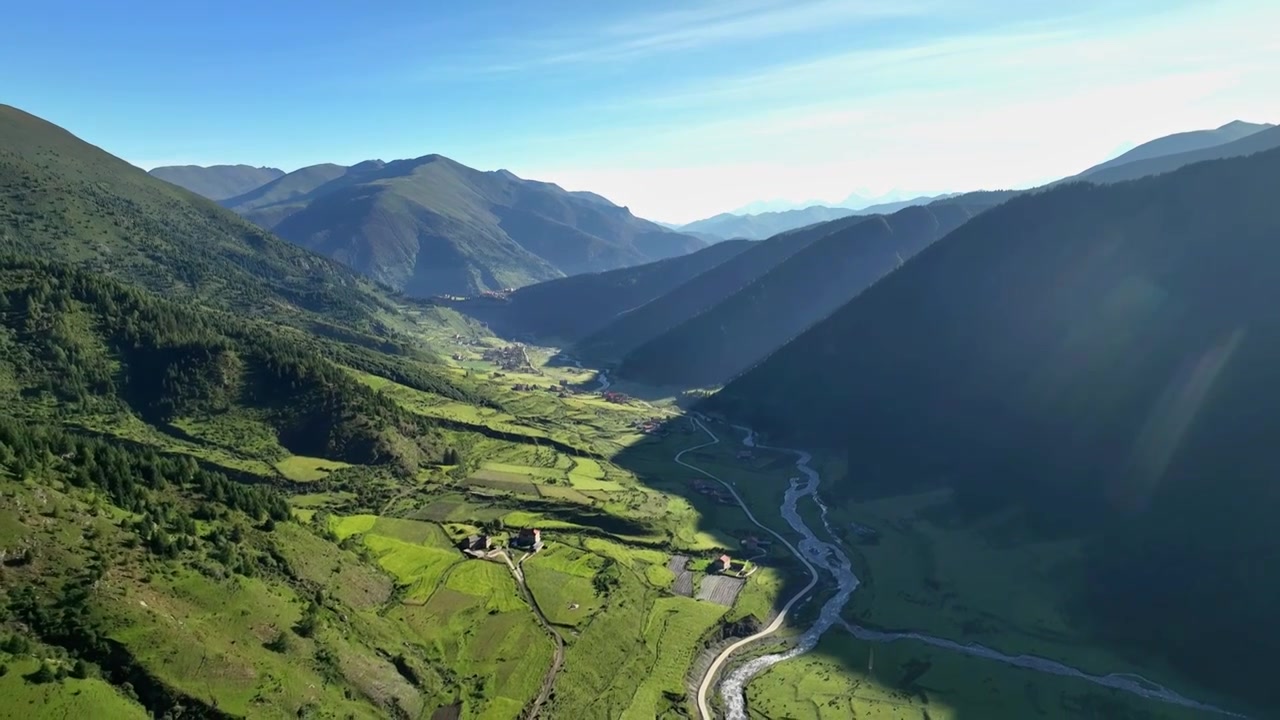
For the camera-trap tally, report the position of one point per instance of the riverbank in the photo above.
(816, 553)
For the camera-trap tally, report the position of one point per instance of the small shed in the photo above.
(723, 563)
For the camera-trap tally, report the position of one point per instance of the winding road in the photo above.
(815, 553)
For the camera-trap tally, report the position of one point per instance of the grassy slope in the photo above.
(63, 199)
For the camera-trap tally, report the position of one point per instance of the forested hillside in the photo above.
(631, 330)
(736, 333)
(63, 199)
(76, 346)
(568, 308)
(1102, 357)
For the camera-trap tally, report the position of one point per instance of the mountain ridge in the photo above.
(217, 182)
(431, 225)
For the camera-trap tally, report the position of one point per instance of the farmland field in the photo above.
(720, 589)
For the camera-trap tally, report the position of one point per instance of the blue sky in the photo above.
(676, 109)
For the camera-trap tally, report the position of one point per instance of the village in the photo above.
(724, 576)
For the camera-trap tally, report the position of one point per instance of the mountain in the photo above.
(431, 226)
(634, 328)
(767, 224)
(770, 206)
(1252, 143)
(63, 199)
(217, 182)
(566, 309)
(1180, 143)
(891, 207)
(763, 225)
(1101, 358)
(746, 326)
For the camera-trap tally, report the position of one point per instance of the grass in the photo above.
(417, 568)
(557, 593)
(760, 596)
(345, 527)
(984, 583)
(206, 638)
(300, 468)
(911, 680)
(672, 623)
(87, 698)
(477, 627)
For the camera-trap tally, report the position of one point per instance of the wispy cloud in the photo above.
(713, 23)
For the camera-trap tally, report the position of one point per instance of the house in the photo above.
(528, 538)
(476, 545)
(722, 563)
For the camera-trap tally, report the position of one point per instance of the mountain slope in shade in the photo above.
(1180, 143)
(1102, 357)
(568, 308)
(1253, 143)
(636, 327)
(761, 317)
(217, 182)
(433, 226)
(65, 200)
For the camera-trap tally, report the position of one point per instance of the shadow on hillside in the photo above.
(905, 677)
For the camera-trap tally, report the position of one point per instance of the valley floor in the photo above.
(626, 577)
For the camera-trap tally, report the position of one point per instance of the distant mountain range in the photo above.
(766, 224)
(430, 226)
(760, 220)
(697, 330)
(217, 182)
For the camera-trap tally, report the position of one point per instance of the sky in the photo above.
(676, 109)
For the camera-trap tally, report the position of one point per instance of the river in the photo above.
(828, 557)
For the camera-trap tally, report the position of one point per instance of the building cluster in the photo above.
(714, 491)
(511, 357)
(615, 397)
(652, 426)
(481, 545)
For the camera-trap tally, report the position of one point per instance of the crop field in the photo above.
(668, 652)
(509, 482)
(683, 584)
(720, 589)
(566, 600)
(467, 614)
(484, 634)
